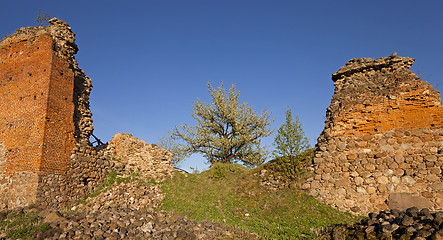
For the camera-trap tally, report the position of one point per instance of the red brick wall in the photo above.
(36, 108)
(408, 107)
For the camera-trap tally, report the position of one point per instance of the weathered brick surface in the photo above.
(382, 100)
(24, 77)
(59, 126)
(383, 136)
(37, 109)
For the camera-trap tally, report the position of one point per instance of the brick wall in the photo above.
(408, 104)
(37, 108)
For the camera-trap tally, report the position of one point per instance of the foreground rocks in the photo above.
(126, 223)
(393, 224)
(125, 210)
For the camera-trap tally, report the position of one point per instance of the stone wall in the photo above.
(44, 110)
(89, 168)
(383, 139)
(147, 160)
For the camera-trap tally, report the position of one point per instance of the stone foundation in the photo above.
(87, 169)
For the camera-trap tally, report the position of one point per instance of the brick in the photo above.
(37, 108)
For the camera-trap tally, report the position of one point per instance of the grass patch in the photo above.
(110, 179)
(114, 177)
(18, 225)
(231, 194)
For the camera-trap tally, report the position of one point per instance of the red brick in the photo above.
(36, 107)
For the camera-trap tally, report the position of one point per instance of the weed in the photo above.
(123, 179)
(42, 19)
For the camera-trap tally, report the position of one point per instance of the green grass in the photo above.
(22, 225)
(231, 194)
(112, 178)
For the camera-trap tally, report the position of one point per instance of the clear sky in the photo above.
(149, 60)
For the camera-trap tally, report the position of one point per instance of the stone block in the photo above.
(369, 167)
(435, 170)
(315, 185)
(403, 201)
(382, 180)
(342, 182)
(371, 190)
(437, 186)
(358, 181)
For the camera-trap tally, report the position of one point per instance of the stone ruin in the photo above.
(44, 109)
(45, 122)
(382, 145)
(147, 160)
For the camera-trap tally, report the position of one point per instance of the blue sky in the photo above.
(149, 60)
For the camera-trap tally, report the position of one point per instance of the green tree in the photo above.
(290, 140)
(168, 143)
(226, 131)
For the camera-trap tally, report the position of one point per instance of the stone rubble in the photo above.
(393, 224)
(125, 210)
(126, 223)
(87, 169)
(271, 181)
(133, 195)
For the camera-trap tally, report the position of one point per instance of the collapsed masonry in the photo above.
(146, 160)
(45, 121)
(382, 145)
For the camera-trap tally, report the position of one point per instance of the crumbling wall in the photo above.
(89, 167)
(44, 109)
(65, 48)
(147, 160)
(383, 139)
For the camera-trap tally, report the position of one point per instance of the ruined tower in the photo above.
(44, 109)
(382, 145)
